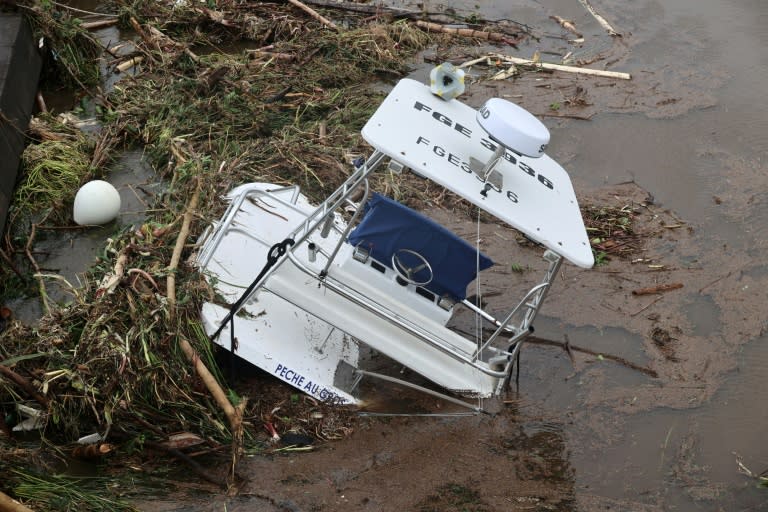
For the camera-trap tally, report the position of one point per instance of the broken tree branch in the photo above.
(571, 348)
(177, 250)
(569, 69)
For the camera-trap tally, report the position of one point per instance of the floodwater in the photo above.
(702, 156)
(690, 129)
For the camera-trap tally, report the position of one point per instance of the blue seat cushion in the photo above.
(388, 226)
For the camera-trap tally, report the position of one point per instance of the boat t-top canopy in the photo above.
(441, 140)
(389, 229)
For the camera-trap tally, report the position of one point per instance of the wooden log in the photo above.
(657, 289)
(8, 504)
(568, 69)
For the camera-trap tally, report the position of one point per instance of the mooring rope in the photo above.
(276, 252)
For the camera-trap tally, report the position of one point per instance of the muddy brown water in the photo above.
(690, 130)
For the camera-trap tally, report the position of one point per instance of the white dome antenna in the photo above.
(510, 127)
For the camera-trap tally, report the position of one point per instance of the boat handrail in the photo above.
(538, 293)
(391, 316)
(313, 221)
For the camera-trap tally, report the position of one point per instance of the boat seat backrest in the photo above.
(388, 226)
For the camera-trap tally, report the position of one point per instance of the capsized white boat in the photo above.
(302, 288)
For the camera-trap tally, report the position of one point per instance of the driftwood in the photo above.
(319, 17)
(569, 69)
(603, 23)
(573, 348)
(8, 504)
(657, 289)
(467, 32)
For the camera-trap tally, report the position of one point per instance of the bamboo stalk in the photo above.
(304, 7)
(210, 382)
(568, 69)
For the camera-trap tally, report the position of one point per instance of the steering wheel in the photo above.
(407, 273)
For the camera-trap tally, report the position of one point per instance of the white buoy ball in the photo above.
(97, 202)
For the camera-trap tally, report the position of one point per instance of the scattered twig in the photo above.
(368, 9)
(569, 69)
(304, 7)
(654, 301)
(568, 348)
(40, 281)
(128, 64)
(603, 23)
(711, 283)
(657, 289)
(8, 261)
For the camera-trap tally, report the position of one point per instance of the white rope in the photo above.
(478, 297)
